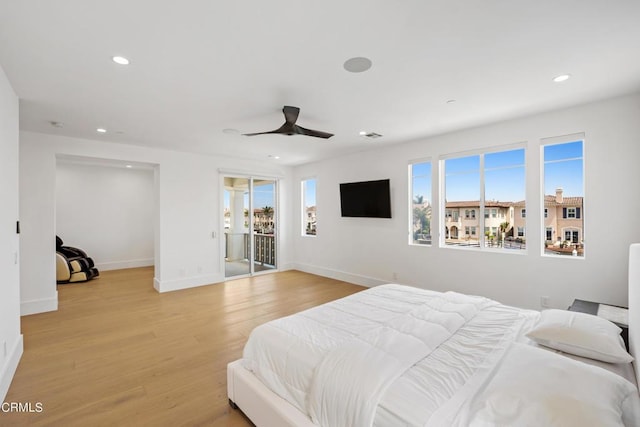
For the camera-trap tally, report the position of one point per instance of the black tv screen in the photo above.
(367, 199)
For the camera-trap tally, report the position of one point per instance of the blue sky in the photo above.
(504, 174)
(563, 166)
(310, 192)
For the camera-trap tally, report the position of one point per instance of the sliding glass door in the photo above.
(250, 225)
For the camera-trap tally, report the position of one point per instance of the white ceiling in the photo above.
(201, 66)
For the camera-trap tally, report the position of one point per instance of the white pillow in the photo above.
(581, 334)
(534, 387)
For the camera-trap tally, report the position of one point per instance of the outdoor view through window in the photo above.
(420, 203)
(563, 232)
(309, 207)
(485, 200)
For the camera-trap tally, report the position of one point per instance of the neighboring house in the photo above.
(563, 218)
(310, 220)
(262, 220)
(463, 219)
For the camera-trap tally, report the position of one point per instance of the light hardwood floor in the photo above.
(118, 353)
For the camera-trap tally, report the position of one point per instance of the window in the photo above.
(564, 195)
(420, 200)
(309, 207)
(486, 185)
(571, 236)
(549, 234)
(571, 213)
(523, 213)
(491, 213)
(520, 231)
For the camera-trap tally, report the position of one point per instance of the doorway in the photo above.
(250, 225)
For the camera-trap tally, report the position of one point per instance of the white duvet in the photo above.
(391, 355)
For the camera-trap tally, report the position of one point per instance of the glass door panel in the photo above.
(236, 227)
(264, 224)
(250, 239)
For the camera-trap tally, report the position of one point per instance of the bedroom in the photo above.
(609, 123)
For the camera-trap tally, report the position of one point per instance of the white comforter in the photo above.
(391, 355)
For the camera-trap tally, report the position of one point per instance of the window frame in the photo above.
(578, 211)
(303, 202)
(481, 228)
(410, 222)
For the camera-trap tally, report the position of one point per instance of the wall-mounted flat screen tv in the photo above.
(367, 199)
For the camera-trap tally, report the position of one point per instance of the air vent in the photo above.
(372, 135)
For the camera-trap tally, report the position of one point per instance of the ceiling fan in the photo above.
(291, 128)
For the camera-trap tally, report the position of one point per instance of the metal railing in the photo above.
(265, 247)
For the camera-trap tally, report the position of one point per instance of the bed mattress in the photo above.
(398, 355)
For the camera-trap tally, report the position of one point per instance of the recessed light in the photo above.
(101, 130)
(561, 78)
(357, 64)
(230, 131)
(363, 132)
(274, 156)
(120, 60)
(128, 166)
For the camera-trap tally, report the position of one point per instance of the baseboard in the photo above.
(190, 282)
(39, 305)
(341, 275)
(120, 265)
(286, 267)
(10, 366)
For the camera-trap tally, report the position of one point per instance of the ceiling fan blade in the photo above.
(260, 133)
(290, 128)
(310, 132)
(290, 113)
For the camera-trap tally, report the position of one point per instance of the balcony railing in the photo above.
(265, 247)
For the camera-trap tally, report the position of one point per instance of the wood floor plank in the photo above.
(118, 353)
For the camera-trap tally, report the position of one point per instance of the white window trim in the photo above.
(303, 208)
(434, 212)
(442, 190)
(563, 139)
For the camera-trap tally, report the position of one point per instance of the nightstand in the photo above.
(613, 313)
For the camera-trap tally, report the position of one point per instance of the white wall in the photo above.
(107, 211)
(369, 251)
(188, 191)
(10, 337)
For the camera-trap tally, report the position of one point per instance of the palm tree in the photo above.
(267, 212)
(504, 226)
(421, 215)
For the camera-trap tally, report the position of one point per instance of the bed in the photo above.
(397, 355)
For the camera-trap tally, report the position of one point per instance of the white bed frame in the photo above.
(634, 307)
(266, 409)
(263, 407)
